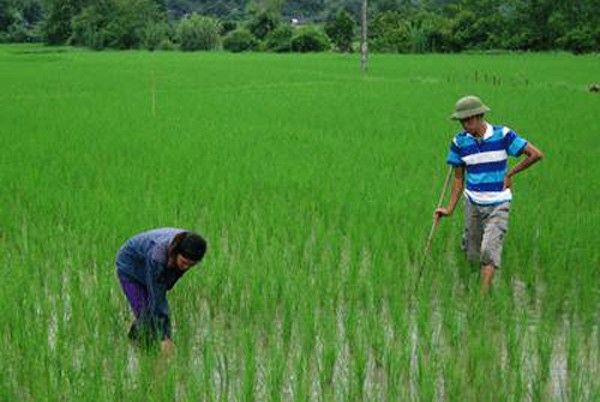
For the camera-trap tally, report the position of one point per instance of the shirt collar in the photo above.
(489, 131)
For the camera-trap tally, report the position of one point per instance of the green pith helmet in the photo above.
(469, 106)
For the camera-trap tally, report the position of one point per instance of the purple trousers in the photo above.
(137, 295)
(144, 329)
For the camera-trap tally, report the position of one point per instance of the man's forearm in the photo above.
(524, 164)
(457, 189)
(533, 155)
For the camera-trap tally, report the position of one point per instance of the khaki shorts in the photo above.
(484, 231)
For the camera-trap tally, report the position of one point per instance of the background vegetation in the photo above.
(396, 25)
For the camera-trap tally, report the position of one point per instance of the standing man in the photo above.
(479, 156)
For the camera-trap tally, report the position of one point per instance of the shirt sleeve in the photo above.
(514, 144)
(157, 292)
(454, 155)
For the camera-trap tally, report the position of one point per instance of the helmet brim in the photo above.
(465, 114)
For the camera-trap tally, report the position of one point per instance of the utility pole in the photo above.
(363, 37)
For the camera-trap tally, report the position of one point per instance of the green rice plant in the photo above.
(330, 350)
(358, 370)
(249, 368)
(275, 375)
(208, 369)
(315, 187)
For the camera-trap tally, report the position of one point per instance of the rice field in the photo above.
(315, 187)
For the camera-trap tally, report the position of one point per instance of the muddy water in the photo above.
(228, 361)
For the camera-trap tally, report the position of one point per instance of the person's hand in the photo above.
(440, 213)
(167, 347)
(507, 182)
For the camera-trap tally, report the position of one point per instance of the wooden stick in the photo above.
(433, 226)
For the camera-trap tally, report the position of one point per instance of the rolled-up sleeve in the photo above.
(514, 144)
(454, 158)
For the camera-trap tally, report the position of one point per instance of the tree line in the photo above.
(395, 26)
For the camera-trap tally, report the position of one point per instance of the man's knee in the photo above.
(491, 252)
(489, 257)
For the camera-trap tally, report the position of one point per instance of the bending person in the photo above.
(148, 265)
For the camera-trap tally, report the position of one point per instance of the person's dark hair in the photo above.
(188, 244)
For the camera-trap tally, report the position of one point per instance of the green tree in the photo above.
(575, 25)
(265, 6)
(8, 13)
(532, 18)
(122, 24)
(18, 20)
(161, 5)
(578, 41)
(89, 26)
(280, 39)
(303, 8)
(262, 23)
(17, 31)
(128, 22)
(430, 33)
(310, 39)
(389, 32)
(240, 40)
(197, 32)
(32, 11)
(157, 35)
(57, 28)
(468, 31)
(341, 30)
(228, 26)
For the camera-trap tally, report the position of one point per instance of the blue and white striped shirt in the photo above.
(486, 162)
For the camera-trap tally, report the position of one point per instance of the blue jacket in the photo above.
(143, 259)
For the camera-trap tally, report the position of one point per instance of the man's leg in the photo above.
(487, 276)
(465, 232)
(473, 232)
(494, 229)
